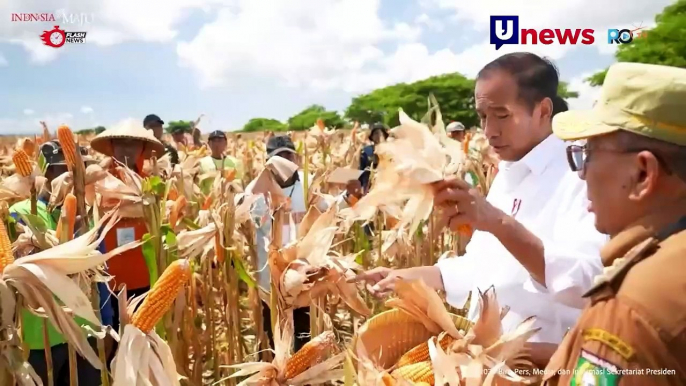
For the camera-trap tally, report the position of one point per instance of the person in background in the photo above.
(456, 131)
(218, 160)
(282, 146)
(634, 162)
(368, 159)
(131, 145)
(154, 123)
(32, 325)
(180, 138)
(534, 239)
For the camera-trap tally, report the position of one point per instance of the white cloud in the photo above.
(307, 42)
(433, 24)
(86, 110)
(31, 124)
(29, 112)
(587, 93)
(106, 21)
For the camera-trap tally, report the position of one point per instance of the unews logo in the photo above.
(505, 30)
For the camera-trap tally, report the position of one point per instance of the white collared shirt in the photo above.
(544, 195)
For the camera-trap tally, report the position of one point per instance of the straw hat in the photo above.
(129, 129)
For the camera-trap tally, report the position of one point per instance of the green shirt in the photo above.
(209, 163)
(32, 328)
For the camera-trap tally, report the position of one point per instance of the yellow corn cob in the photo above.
(416, 372)
(312, 353)
(6, 256)
(387, 380)
(420, 353)
(66, 138)
(162, 295)
(22, 163)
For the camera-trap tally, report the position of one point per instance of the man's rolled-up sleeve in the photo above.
(457, 274)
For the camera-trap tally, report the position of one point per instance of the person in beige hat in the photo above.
(456, 131)
(128, 143)
(633, 330)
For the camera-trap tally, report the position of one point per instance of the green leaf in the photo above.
(155, 185)
(190, 223)
(35, 223)
(242, 272)
(150, 256)
(42, 163)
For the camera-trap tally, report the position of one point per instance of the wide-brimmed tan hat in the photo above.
(645, 99)
(129, 129)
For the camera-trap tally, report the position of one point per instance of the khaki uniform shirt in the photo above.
(633, 332)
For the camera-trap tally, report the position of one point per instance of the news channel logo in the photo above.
(624, 36)
(504, 30)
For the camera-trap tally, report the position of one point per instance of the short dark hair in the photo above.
(536, 77)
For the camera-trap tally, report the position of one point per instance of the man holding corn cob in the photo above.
(633, 332)
(33, 326)
(534, 240)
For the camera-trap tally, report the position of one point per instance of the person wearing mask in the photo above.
(634, 162)
(130, 145)
(534, 240)
(154, 123)
(282, 146)
(456, 131)
(368, 158)
(218, 160)
(32, 325)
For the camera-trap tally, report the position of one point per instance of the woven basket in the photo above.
(390, 334)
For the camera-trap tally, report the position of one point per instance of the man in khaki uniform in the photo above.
(633, 331)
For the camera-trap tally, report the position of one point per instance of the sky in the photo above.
(233, 60)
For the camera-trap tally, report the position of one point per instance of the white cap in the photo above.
(454, 126)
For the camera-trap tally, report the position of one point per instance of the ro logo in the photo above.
(504, 30)
(622, 36)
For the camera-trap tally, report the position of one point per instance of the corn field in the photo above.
(201, 323)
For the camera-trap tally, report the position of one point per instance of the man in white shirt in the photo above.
(535, 241)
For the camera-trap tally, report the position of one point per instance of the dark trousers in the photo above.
(301, 326)
(115, 304)
(87, 374)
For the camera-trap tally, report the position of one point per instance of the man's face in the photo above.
(54, 171)
(377, 136)
(179, 136)
(127, 151)
(217, 145)
(457, 135)
(609, 175)
(156, 128)
(508, 122)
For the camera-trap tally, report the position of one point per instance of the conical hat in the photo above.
(130, 129)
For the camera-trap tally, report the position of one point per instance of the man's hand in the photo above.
(381, 280)
(461, 204)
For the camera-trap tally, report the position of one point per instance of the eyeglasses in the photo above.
(578, 156)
